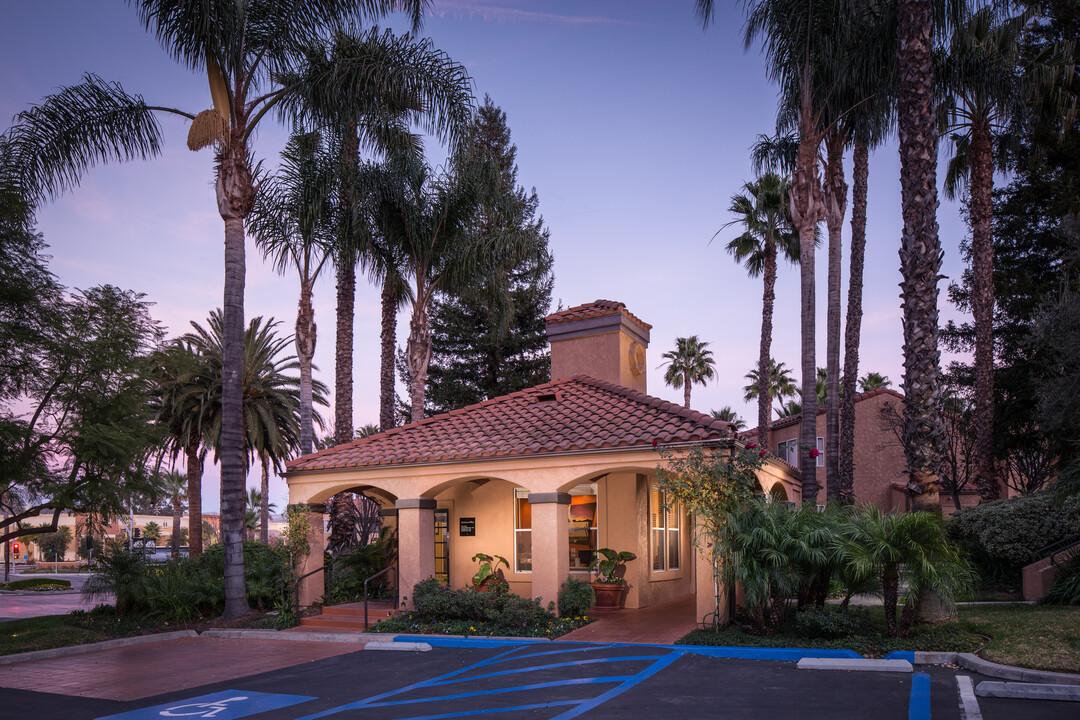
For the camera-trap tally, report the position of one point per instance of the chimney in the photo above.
(600, 339)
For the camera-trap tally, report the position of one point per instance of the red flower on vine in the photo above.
(814, 452)
(751, 445)
(655, 443)
(763, 453)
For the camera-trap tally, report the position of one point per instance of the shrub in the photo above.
(1001, 535)
(31, 583)
(266, 571)
(1066, 587)
(575, 598)
(349, 570)
(827, 622)
(435, 603)
(182, 590)
(122, 574)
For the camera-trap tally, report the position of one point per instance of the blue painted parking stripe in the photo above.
(564, 651)
(534, 668)
(516, 708)
(630, 682)
(919, 706)
(503, 691)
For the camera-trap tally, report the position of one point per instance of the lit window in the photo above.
(583, 527)
(522, 532)
(664, 523)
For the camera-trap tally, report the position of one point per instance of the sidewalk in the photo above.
(661, 624)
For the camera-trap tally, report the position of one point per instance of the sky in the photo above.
(631, 122)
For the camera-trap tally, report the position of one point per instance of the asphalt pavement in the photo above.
(25, 604)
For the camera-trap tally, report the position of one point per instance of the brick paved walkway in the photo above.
(139, 671)
(662, 624)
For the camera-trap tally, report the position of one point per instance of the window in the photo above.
(583, 527)
(664, 524)
(821, 452)
(522, 532)
(788, 451)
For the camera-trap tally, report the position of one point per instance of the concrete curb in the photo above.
(94, 647)
(862, 665)
(406, 646)
(1029, 691)
(225, 634)
(969, 704)
(1008, 672)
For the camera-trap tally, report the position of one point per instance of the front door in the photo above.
(442, 546)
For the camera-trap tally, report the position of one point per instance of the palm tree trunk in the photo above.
(194, 494)
(686, 389)
(835, 192)
(264, 510)
(343, 357)
(234, 202)
(418, 350)
(853, 329)
(807, 210)
(768, 299)
(920, 253)
(305, 351)
(982, 306)
(386, 355)
(177, 515)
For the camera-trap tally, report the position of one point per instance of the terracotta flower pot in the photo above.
(609, 596)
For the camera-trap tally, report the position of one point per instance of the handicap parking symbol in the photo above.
(225, 705)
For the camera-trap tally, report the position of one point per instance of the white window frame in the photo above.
(519, 494)
(667, 532)
(820, 459)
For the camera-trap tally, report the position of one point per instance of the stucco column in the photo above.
(705, 582)
(312, 588)
(550, 544)
(416, 543)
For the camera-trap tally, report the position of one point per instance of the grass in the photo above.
(1042, 637)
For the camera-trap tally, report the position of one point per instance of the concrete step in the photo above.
(381, 609)
(339, 624)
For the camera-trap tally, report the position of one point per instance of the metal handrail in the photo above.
(397, 590)
(296, 589)
(1054, 549)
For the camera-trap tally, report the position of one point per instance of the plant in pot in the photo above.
(610, 583)
(487, 577)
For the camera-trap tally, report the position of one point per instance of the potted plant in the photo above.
(610, 583)
(487, 577)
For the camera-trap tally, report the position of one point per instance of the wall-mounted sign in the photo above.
(467, 527)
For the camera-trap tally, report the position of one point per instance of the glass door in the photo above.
(442, 546)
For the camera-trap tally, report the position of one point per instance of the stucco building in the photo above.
(544, 477)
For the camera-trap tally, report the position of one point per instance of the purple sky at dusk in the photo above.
(632, 124)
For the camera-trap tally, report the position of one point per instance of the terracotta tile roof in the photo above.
(594, 309)
(797, 418)
(576, 414)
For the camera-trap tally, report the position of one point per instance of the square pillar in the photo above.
(705, 590)
(416, 543)
(312, 588)
(550, 544)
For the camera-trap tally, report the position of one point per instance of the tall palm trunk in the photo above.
(264, 509)
(853, 329)
(686, 389)
(194, 493)
(235, 196)
(346, 295)
(807, 210)
(305, 351)
(920, 253)
(982, 306)
(386, 354)
(418, 350)
(768, 299)
(835, 194)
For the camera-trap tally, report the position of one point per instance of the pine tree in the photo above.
(490, 340)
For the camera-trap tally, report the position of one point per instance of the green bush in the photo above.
(31, 583)
(1000, 536)
(345, 583)
(828, 622)
(266, 571)
(1066, 587)
(436, 603)
(575, 598)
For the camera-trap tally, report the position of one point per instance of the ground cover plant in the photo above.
(37, 584)
(439, 610)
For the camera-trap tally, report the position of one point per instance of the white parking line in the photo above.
(969, 704)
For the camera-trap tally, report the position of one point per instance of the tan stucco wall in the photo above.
(603, 356)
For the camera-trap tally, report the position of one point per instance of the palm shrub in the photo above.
(351, 569)
(1066, 587)
(183, 590)
(909, 551)
(122, 574)
(266, 571)
(756, 545)
(812, 541)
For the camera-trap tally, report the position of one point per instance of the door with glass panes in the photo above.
(442, 546)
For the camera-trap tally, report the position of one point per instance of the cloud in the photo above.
(489, 12)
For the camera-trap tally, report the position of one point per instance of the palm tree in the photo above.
(690, 362)
(152, 531)
(292, 222)
(244, 48)
(174, 484)
(873, 381)
(728, 415)
(763, 211)
(983, 93)
(779, 385)
(256, 515)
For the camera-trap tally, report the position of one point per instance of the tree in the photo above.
(244, 49)
(728, 415)
(764, 212)
(152, 531)
(691, 362)
(76, 429)
(174, 485)
(54, 543)
(256, 517)
(780, 385)
(873, 381)
(489, 338)
(984, 92)
(292, 222)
